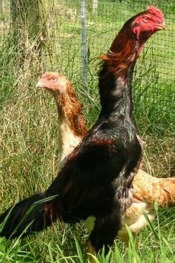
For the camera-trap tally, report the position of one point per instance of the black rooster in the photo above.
(97, 177)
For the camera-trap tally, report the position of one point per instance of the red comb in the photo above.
(155, 11)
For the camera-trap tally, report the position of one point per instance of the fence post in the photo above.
(83, 42)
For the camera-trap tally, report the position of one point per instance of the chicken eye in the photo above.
(54, 79)
(145, 19)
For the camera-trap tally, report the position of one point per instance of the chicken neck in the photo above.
(115, 76)
(71, 121)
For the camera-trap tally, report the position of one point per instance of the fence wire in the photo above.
(81, 35)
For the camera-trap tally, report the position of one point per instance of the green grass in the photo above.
(67, 244)
(29, 136)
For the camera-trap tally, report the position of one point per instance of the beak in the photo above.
(39, 84)
(161, 26)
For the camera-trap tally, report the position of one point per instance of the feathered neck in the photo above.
(70, 111)
(71, 121)
(115, 75)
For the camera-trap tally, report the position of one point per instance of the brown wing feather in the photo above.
(151, 189)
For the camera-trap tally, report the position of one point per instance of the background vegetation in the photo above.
(28, 117)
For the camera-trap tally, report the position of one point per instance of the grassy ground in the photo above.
(29, 134)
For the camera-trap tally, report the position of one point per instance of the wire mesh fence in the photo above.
(79, 31)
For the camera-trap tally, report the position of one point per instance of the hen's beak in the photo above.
(39, 84)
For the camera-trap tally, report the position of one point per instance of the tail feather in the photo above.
(29, 216)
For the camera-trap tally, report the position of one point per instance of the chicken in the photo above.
(97, 177)
(71, 120)
(146, 189)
